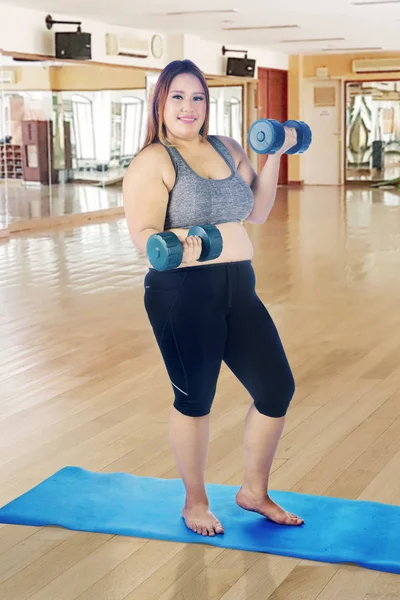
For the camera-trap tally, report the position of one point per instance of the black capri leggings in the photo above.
(207, 314)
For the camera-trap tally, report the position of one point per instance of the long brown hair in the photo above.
(156, 131)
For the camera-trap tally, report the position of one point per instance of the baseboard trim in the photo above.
(74, 219)
(295, 183)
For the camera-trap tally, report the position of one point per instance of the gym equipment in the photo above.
(211, 241)
(165, 251)
(267, 136)
(386, 183)
(335, 530)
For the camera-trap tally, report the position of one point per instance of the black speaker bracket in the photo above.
(50, 22)
(225, 50)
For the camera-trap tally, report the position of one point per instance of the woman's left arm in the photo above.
(263, 185)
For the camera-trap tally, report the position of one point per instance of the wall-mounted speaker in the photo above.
(76, 45)
(240, 67)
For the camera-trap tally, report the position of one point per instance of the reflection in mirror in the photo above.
(72, 135)
(26, 112)
(4, 148)
(373, 130)
(102, 132)
(226, 107)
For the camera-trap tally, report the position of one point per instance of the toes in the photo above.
(206, 530)
(295, 518)
(218, 527)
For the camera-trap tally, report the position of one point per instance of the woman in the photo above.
(203, 313)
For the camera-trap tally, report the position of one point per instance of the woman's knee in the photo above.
(192, 405)
(276, 401)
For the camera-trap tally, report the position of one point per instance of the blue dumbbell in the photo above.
(304, 136)
(165, 250)
(211, 241)
(267, 136)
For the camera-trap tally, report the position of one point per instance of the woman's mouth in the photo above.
(187, 119)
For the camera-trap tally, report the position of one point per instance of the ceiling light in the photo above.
(370, 2)
(313, 40)
(261, 27)
(339, 50)
(201, 12)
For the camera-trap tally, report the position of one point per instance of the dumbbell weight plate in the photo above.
(304, 136)
(164, 251)
(266, 136)
(211, 241)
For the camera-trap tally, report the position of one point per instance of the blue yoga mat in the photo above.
(335, 530)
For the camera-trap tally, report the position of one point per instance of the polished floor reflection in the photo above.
(366, 175)
(82, 383)
(25, 203)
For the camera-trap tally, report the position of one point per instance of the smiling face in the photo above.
(185, 108)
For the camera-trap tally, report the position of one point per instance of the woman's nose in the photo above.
(187, 105)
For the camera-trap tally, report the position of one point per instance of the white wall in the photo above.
(208, 55)
(23, 30)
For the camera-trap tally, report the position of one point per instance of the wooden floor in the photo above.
(82, 383)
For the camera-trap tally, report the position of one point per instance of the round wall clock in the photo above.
(157, 46)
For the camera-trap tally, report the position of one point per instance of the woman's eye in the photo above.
(196, 98)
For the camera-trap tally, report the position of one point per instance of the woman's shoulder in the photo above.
(153, 160)
(231, 143)
(153, 157)
(233, 146)
(152, 151)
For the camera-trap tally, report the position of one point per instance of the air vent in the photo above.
(118, 45)
(8, 77)
(373, 65)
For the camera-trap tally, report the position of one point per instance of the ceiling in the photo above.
(289, 26)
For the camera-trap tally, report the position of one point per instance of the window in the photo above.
(83, 127)
(131, 115)
(233, 119)
(213, 128)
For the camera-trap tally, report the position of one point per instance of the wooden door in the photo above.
(272, 104)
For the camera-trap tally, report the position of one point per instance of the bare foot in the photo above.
(200, 519)
(265, 506)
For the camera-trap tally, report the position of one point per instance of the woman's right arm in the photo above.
(145, 196)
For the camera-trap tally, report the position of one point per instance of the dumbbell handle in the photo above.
(165, 250)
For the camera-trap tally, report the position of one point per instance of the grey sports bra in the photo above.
(195, 200)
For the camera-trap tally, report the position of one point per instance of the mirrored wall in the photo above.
(4, 150)
(69, 132)
(372, 130)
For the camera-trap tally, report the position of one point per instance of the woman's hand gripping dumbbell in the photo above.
(165, 250)
(268, 136)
